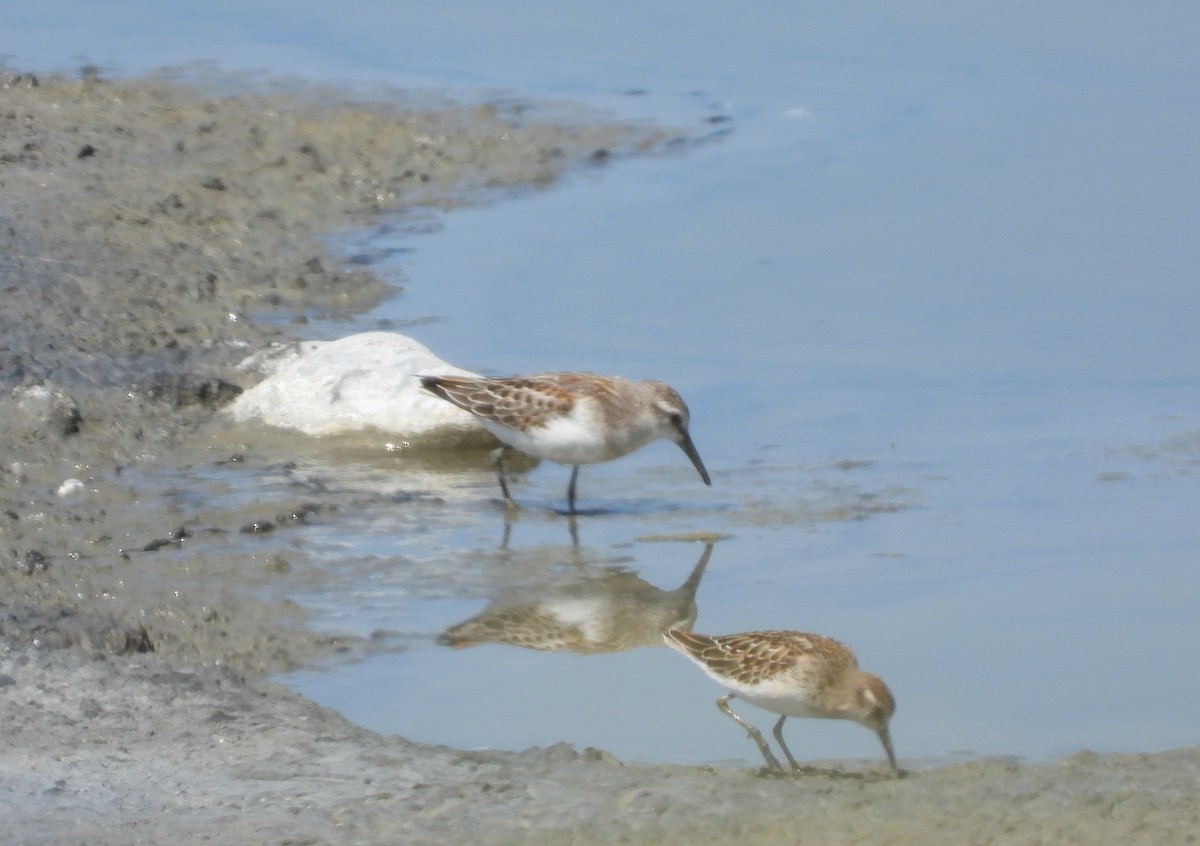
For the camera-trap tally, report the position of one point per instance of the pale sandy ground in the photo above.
(140, 223)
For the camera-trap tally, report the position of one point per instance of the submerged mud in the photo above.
(152, 234)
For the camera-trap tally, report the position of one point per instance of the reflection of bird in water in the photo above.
(610, 613)
(793, 674)
(571, 418)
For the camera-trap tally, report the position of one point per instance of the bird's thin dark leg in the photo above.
(571, 489)
(778, 732)
(498, 460)
(755, 734)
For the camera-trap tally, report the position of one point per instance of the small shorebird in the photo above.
(793, 674)
(571, 418)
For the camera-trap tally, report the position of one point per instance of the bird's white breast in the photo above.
(790, 693)
(583, 436)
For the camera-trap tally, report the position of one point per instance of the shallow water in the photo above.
(931, 297)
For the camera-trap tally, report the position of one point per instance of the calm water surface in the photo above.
(932, 299)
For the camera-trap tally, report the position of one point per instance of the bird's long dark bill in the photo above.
(885, 737)
(689, 449)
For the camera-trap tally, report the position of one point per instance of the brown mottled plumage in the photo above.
(571, 418)
(518, 402)
(794, 674)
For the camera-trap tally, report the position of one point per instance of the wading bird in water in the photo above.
(571, 418)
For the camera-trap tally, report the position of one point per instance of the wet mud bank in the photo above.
(148, 229)
(153, 235)
(103, 749)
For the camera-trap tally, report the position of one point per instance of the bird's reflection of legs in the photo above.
(755, 734)
(510, 518)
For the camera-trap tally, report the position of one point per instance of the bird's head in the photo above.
(873, 708)
(672, 416)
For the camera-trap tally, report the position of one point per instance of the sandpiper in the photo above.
(571, 418)
(793, 674)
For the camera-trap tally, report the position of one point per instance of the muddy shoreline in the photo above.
(152, 235)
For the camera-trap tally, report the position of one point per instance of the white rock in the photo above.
(35, 395)
(356, 383)
(70, 486)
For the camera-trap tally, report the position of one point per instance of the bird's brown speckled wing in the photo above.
(751, 657)
(518, 402)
